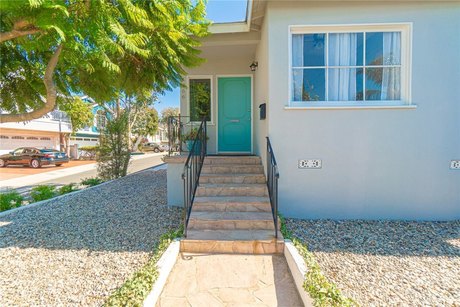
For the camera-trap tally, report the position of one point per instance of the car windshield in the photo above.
(18, 151)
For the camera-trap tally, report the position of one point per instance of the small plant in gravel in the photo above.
(42, 192)
(323, 292)
(10, 200)
(68, 188)
(134, 291)
(91, 182)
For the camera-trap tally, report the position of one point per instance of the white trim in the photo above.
(406, 61)
(353, 107)
(187, 97)
(252, 112)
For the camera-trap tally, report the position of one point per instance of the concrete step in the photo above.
(232, 204)
(230, 220)
(233, 189)
(232, 169)
(232, 178)
(233, 242)
(219, 160)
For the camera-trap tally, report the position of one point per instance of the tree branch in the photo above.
(6, 36)
(20, 28)
(51, 94)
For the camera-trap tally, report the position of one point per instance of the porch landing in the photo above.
(232, 212)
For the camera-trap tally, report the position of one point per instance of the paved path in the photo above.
(61, 176)
(230, 280)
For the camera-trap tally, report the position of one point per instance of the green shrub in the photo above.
(67, 188)
(42, 192)
(10, 200)
(91, 182)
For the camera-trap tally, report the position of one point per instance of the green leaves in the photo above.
(108, 47)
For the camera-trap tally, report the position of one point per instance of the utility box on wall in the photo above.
(262, 110)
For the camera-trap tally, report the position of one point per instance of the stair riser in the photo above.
(232, 191)
(231, 247)
(232, 207)
(232, 179)
(233, 160)
(230, 224)
(234, 169)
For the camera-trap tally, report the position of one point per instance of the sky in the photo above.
(217, 11)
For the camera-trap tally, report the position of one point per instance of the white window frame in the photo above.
(406, 61)
(187, 110)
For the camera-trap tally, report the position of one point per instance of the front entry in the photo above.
(234, 114)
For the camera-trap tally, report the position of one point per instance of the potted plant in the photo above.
(190, 137)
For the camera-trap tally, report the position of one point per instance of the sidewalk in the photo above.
(31, 180)
(230, 280)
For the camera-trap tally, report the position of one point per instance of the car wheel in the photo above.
(2, 163)
(156, 150)
(35, 163)
(58, 164)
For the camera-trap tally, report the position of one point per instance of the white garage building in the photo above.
(41, 133)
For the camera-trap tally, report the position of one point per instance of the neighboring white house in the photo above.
(89, 136)
(368, 88)
(46, 132)
(160, 136)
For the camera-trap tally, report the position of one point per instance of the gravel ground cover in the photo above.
(78, 249)
(387, 263)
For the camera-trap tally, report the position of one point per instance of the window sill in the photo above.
(351, 106)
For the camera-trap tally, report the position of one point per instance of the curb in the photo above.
(5, 213)
(165, 266)
(298, 270)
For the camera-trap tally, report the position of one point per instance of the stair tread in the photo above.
(231, 175)
(231, 199)
(233, 235)
(229, 185)
(231, 216)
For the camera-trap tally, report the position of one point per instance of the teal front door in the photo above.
(234, 114)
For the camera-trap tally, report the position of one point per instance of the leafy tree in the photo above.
(167, 112)
(51, 49)
(79, 112)
(146, 124)
(114, 154)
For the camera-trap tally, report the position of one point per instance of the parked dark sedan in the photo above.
(34, 157)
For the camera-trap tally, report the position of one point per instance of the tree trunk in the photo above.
(51, 95)
(138, 141)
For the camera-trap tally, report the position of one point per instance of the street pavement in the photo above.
(75, 174)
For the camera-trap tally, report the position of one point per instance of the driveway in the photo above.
(14, 171)
(76, 250)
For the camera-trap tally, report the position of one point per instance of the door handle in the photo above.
(234, 120)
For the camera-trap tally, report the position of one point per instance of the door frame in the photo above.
(252, 113)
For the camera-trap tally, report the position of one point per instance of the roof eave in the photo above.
(234, 27)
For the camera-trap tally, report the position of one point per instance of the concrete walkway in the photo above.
(230, 280)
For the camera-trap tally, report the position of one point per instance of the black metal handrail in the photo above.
(178, 131)
(272, 183)
(192, 170)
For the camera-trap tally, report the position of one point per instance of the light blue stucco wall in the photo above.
(377, 164)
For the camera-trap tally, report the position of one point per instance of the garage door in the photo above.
(11, 142)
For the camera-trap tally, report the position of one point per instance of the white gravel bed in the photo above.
(78, 249)
(387, 263)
